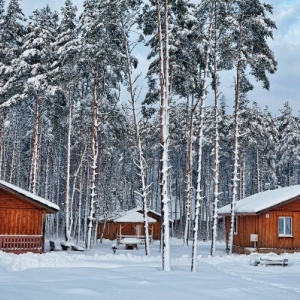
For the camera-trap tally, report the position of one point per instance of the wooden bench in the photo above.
(273, 262)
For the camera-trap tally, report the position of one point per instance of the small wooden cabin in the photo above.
(129, 223)
(266, 222)
(23, 218)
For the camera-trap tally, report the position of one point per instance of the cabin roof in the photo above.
(117, 214)
(48, 205)
(133, 217)
(263, 201)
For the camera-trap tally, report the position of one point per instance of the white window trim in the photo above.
(284, 220)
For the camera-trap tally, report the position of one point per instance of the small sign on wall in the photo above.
(253, 237)
(267, 216)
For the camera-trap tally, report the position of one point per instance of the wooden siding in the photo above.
(113, 229)
(22, 224)
(293, 206)
(8, 200)
(17, 221)
(266, 226)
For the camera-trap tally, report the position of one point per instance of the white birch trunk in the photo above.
(243, 175)
(188, 177)
(80, 205)
(34, 155)
(216, 148)
(94, 162)
(86, 208)
(203, 87)
(2, 141)
(68, 213)
(164, 109)
(259, 188)
(77, 181)
(13, 155)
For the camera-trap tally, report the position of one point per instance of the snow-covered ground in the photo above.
(129, 275)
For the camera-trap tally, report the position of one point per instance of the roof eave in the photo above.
(48, 209)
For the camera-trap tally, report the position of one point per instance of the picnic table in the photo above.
(130, 243)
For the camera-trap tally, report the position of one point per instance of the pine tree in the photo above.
(101, 56)
(249, 29)
(287, 147)
(65, 75)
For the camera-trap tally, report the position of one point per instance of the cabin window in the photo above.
(235, 228)
(285, 226)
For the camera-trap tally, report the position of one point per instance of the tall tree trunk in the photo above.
(13, 155)
(93, 194)
(142, 172)
(235, 159)
(164, 134)
(216, 147)
(259, 188)
(34, 152)
(68, 213)
(200, 141)
(188, 174)
(2, 142)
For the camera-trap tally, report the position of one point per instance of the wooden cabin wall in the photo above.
(156, 226)
(246, 226)
(16, 221)
(269, 237)
(112, 229)
(266, 226)
(19, 217)
(156, 231)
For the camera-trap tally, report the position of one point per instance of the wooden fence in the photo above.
(21, 243)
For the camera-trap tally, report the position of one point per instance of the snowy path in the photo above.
(257, 283)
(275, 277)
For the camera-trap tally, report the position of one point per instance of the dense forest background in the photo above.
(73, 113)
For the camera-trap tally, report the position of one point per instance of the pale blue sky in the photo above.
(286, 46)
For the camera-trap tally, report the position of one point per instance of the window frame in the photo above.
(284, 227)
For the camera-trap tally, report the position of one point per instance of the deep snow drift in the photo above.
(130, 275)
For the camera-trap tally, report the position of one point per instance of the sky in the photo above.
(130, 275)
(286, 46)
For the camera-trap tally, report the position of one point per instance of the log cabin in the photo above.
(266, 222)
(129, 224)
(23, 219)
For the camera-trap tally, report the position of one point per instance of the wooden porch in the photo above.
(22, 243)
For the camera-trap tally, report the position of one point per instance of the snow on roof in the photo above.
(26, 194)
(117, 214)
(133, 217)
(151, 211)
(264, 200)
